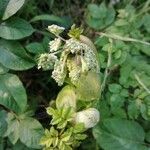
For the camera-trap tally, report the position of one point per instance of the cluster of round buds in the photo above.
(55, 44)
(59, 73)
(74, 69)
(89, 117)
(87, 54)
(46, 61)
(74, 46)
(55, 29)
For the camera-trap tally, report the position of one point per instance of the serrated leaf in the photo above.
(99, 17)
(133, 110)
(62, 124)
(66, 136)
(79, 128)
(12, 7)
(12, 93)
(120, 134)
(115, 88)
(116, 101)
(15, 28)
(80, 136)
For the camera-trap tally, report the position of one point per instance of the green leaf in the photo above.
(3, 123)
(148, 136)
(28, 130)
(12, 7)
(12, 93)
(15, 28)
(47, 17)
(13, 56)
(133, 110)
(20, 146)
(88, 87)
(99, 17)
(2, 143)
(64, 21)
(60, 116)
(118, 134)
(13, 128)
(66, 98)
(35, 48)
(116, 101)
(94, 11)
(3, 69)
(3, 4)
(115, 88)
(31, 132)
(146, 20)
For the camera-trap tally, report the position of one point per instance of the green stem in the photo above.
(141, 83)
(118, 37)
(107, 69)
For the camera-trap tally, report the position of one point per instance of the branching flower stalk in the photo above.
(77, 66)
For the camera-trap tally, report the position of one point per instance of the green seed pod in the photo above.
(66, 97)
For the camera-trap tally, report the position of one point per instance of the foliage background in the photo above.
(121, 32)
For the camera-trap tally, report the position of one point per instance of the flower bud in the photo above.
(55, 29)
(55, 44)
(88, 87)
(90, 117)
(46, 61)
(66, 98)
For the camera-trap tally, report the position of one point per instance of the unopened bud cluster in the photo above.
(46, 61)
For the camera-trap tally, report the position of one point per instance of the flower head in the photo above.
(55, 29)
(46, 61)
(55, 44)
(59, 73)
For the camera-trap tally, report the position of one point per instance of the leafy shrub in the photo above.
(120, 32)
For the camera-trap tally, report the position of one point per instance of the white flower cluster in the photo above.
(90, 59)
(74, 70)
(74, 46)
(88, 56)
(55, 44)
(55, 29)
(59, 73)
(76, 50)
(46, 61)
(76, 58)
